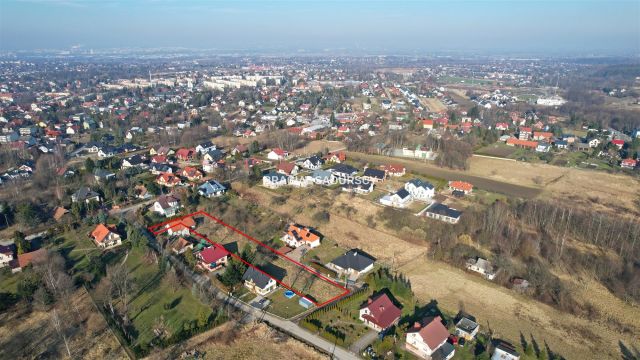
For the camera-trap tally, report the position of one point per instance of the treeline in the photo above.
(527, 239)
(541, 232)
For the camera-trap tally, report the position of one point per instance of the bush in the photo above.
(322, 216)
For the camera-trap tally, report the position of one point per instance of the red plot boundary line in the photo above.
(160, 228)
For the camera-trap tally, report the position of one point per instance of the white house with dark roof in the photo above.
(467, 327)
(505, 351)
(312, 163)
(86, 195)
(442, 212)
(211, 188)
(353, 264)
(167, 205)
(374, 175)
(258, 282)
(400, 199)
(420, 190)
(482, 266)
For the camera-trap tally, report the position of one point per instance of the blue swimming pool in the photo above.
(289, 294)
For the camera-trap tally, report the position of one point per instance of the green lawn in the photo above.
(153, 298)
(9, 282)
(179, 308)
(75, 245)
(327, 251)
(283, 307)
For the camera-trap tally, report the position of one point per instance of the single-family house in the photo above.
(400, 199)
(102, 175)
(6, 254)
(137, 161)
(106, 236)
(505, 351)
(394, 170)
(374, 175)
(463, 186)
(59, 213)
(33, 257)
(213, 155)
(258, 282)
(380, 313)
(107, 151)
(277, 154)
(297, 235)
(629, 163)
(239, 149)
(157, 169)
(181, 245)
(343, 171)
(161, 150)
(466, 326)
(205, 147)
(428, 339)
(543, 147)
(190, 173)
(312, 163)
(359, 186)
(185, 154)
(211, 188)
(594, 142)
(212, 258)
(168, 180)
(167, 205)
(287, 168)
(561, 144)
(420, 190)
(181, 226)
(482, 266)
(353, 264)
(618, 142)
(86, 195)
(442, 212)
(335, 157)
(502, 126)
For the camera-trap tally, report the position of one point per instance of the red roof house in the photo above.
(380, 313)
(185, 154)
(425, 338)
(212, 258)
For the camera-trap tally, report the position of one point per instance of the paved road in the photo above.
(286, 326)
(363, 341)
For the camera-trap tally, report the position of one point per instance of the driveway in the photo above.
(363, 341)
(133, 207)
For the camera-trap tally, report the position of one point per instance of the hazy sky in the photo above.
(428, 26)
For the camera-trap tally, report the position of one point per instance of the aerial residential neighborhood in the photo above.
(319, 180)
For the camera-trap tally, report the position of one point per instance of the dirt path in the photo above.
(595, 189)
(427, 169)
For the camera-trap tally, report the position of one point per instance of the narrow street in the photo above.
(286, 326)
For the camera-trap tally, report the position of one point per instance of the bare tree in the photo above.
(61, 328)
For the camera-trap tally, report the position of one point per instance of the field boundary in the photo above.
(160, 228)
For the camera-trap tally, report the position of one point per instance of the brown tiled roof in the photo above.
(30, 257)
